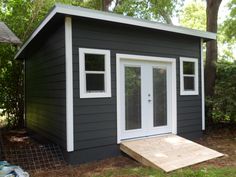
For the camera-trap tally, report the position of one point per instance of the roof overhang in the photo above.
(106, 16)
(7, 36)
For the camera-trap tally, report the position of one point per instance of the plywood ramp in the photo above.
(168, 152)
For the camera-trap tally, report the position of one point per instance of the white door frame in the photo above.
(172, 61)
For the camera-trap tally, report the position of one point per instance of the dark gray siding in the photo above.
(95, 119)
(45, 85)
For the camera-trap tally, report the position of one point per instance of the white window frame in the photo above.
(107, 73)
(195, 75)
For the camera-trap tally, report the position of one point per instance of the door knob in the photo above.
(149, 100)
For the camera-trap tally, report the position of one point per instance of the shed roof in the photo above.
(7, 36)
(108, 16)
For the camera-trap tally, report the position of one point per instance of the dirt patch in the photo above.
(223, 140)
(218, 138)
(19, 148)
(91, 169)
(17, 138)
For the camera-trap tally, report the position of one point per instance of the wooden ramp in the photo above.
(168, 152)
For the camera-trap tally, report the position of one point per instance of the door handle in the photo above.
(149, 100)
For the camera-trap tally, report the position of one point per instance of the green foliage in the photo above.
(230, 23)
(223, 102)
(158, 10)
(193, 15)
(22, 17)
(227, 34)
(11, 84)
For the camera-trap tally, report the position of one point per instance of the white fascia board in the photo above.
(106, 16)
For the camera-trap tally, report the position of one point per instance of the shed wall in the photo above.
(95, 119)
(45, 85)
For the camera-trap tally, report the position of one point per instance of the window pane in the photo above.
(159, 97)
(94, 62)
(188, 83)
(95, 83)
(188, 67)
(132, 98)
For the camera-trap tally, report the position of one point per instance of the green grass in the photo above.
(150, 172)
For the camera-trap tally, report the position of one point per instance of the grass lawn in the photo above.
(107, 170)
(221, 139)
(150, 172)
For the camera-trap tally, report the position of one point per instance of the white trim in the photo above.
(203, 87)
(107, 73)
(174, 98)
(69, 85)
(172, 61)
(118, 99)
(144, 58)
(195, 75)
(94, 14)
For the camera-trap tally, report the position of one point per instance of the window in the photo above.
(188, 76)
(95, 75)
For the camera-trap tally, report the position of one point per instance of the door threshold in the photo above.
(145, 137)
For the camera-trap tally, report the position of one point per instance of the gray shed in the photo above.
(94, 79)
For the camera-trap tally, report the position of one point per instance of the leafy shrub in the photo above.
(223, 103)
(11, 87)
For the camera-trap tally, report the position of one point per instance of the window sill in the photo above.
(188, 93)
(95, 95)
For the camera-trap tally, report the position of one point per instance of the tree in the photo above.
(158, 10)
(22, 16)
(211, 53)
(228, 32)
(193, 15)
(230, 23)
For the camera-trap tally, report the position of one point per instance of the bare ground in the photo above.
(219, 138)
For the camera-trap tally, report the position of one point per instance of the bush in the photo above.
(11, 87)
(223, 103)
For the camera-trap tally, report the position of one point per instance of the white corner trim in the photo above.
(107, 73)
(203, 86)
(172, 61)
(94, 14)
(118, 99)
(69, 85)
(174, 97)
(196, 76)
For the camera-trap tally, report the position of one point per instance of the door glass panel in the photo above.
(159, 97)
(132, 98)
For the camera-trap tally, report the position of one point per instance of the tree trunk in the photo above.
(211, 52)
(105, 4)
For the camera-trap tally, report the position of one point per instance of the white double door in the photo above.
(145, 98)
